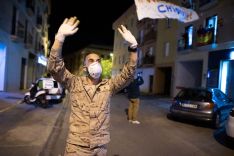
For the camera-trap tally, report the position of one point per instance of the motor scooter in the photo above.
(36, 96)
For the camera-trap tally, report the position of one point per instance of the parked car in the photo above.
(207, 104)
(229, 126)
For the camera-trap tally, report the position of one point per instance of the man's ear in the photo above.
(84, 68)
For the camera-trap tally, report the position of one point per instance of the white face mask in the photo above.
(95, 70)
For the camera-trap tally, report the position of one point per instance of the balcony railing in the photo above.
(203, 38)
(150, 36)
(148, 60)
(30, 5)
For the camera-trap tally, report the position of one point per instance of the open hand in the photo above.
(67, 28)
(127, 35)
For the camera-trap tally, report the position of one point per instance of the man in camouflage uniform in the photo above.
(89, 95)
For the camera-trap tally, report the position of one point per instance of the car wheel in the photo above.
(27, 99)
(41, 100)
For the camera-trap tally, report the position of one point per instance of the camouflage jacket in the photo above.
(90, 104)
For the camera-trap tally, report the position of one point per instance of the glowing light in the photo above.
(231, 56)
(111, 55)
(42, 60)
(224, 70)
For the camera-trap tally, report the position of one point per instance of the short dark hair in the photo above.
(90, 52)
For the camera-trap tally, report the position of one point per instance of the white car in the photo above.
(230, 124)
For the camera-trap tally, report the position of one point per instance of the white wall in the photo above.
(146, 72)
(185, 76)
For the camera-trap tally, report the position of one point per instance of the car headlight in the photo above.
(210, 105)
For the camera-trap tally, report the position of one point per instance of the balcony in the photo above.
(29, 41)
(18, 36)
(39, 22)
(147, 61)
(30, 5)
(206, 4)
(204, 38)
(149, 37)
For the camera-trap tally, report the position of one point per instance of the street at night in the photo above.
(117, 78)
(26, 130)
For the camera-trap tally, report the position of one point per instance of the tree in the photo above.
(106, 68)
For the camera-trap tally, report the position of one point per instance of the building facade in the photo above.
(146, 49)
(205, 47)
(23, 42)
(173, 54)
(156, 54)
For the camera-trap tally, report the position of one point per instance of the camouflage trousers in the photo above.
(76, 150)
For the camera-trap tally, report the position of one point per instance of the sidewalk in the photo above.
(8, 99)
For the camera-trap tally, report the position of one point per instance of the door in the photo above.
(22, 74)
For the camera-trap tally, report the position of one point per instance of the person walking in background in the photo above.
(89, 95)
(134, 99)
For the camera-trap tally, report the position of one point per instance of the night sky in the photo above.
(96, 19)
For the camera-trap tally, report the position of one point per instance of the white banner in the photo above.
(161, 9)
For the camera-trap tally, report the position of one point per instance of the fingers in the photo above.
(72, 21)
(65, 21)
(76, 23)
(122, 29)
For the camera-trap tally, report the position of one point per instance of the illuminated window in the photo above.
(190, 35)
(211, 26)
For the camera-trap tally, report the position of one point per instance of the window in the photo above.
(141, 36)
(187, 4)
(14, 13)
(168, 23)
(205, 2)
(188, 37)
(189, 29)
(167, 49)
(211, 26)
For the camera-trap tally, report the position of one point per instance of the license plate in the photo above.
(188, 105)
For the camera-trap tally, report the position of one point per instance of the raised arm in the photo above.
(55, 62)
(127, 73)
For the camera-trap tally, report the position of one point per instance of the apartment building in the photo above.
(144, 32)
(157, 49)
(205, 47)
(23, 42)
(198, 53)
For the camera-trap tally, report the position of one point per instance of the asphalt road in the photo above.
(157, 135)
(25, 130)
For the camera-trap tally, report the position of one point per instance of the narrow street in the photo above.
(28, 131)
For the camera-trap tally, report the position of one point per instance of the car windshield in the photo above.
(194, 95)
